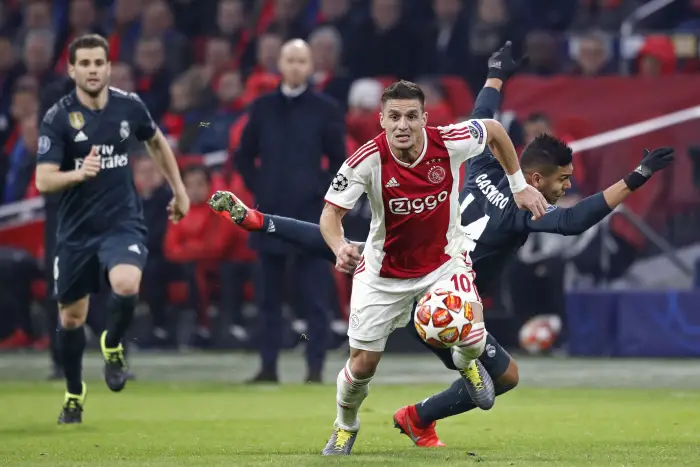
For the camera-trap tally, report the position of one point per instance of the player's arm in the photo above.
(587, 213)
(157, 146)
(164, 158)
(50, 151)
(501, 67)
(346, 188)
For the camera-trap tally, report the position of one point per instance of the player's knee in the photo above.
(73, 315)
(475, 343)
(363, 363)
(125, 280)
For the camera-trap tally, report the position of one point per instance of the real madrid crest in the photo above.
(124, 130)
(436, 174)
(76, 120)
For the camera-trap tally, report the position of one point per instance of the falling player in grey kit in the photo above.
(82, 153)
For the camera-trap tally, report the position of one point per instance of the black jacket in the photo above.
(290, 136)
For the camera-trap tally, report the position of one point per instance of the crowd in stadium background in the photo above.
(205, 61)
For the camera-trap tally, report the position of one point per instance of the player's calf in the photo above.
(352, 388)
(125, 280)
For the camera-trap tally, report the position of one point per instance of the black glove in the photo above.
(502, 65)
(653, 161)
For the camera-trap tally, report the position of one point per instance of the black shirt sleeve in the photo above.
(487, 103)
(145, 126)
(566, 221)
(50, 148)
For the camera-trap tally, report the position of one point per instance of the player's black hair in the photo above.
(87, 41)
(545, 154)
(403, 90)
(197, 168)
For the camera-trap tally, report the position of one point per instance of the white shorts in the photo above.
(380, 305)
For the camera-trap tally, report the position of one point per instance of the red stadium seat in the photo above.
(458, 95)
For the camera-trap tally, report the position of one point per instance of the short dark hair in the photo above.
(87, 41)
(403, 90)
(197, 168)
(545, 154)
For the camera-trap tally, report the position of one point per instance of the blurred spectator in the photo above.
(288, 20)
(82, 19)
(22, 160)
(550, 15)
(122, 77)
(363, 108)
(125, 30)
(217, 58)
(541, 47)
(326, 48)
(439, 113)
(592, 55)
(17, 271)
(397, 48)
(9, 72)
(267, 54)
(180, 123)
(448, 51)
(607, 15)
(200, 238)
(489, 29)
(157, 21)
(152, 78)
(24, 105)
(231, 25)
(288, 132)
(537, 124)
(213, 134)
(155, 196)
(657, 56)
(338, 14)
(37, 56)
(264, 77)
(35, 17)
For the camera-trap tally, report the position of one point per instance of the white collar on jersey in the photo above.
(293, 92)
(417, 161)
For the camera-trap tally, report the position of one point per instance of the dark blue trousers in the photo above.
(309, 281)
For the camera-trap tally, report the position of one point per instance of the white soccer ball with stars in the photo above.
(444, 317)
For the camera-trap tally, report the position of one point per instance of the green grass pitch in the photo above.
(221, 424)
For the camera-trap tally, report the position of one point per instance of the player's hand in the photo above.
(91, 164)
(653, 161)
(179, 207)
(658, 159)
(532, 200)
(502, 65)
(347, 258)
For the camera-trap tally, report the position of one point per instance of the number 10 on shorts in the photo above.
(463, 282)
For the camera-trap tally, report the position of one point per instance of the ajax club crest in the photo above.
(436, 174)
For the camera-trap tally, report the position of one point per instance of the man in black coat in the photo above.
(289, 132)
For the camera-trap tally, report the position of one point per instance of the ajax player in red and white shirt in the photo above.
(410, 173)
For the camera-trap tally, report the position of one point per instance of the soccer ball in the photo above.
(539, 334)
(443, 317)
